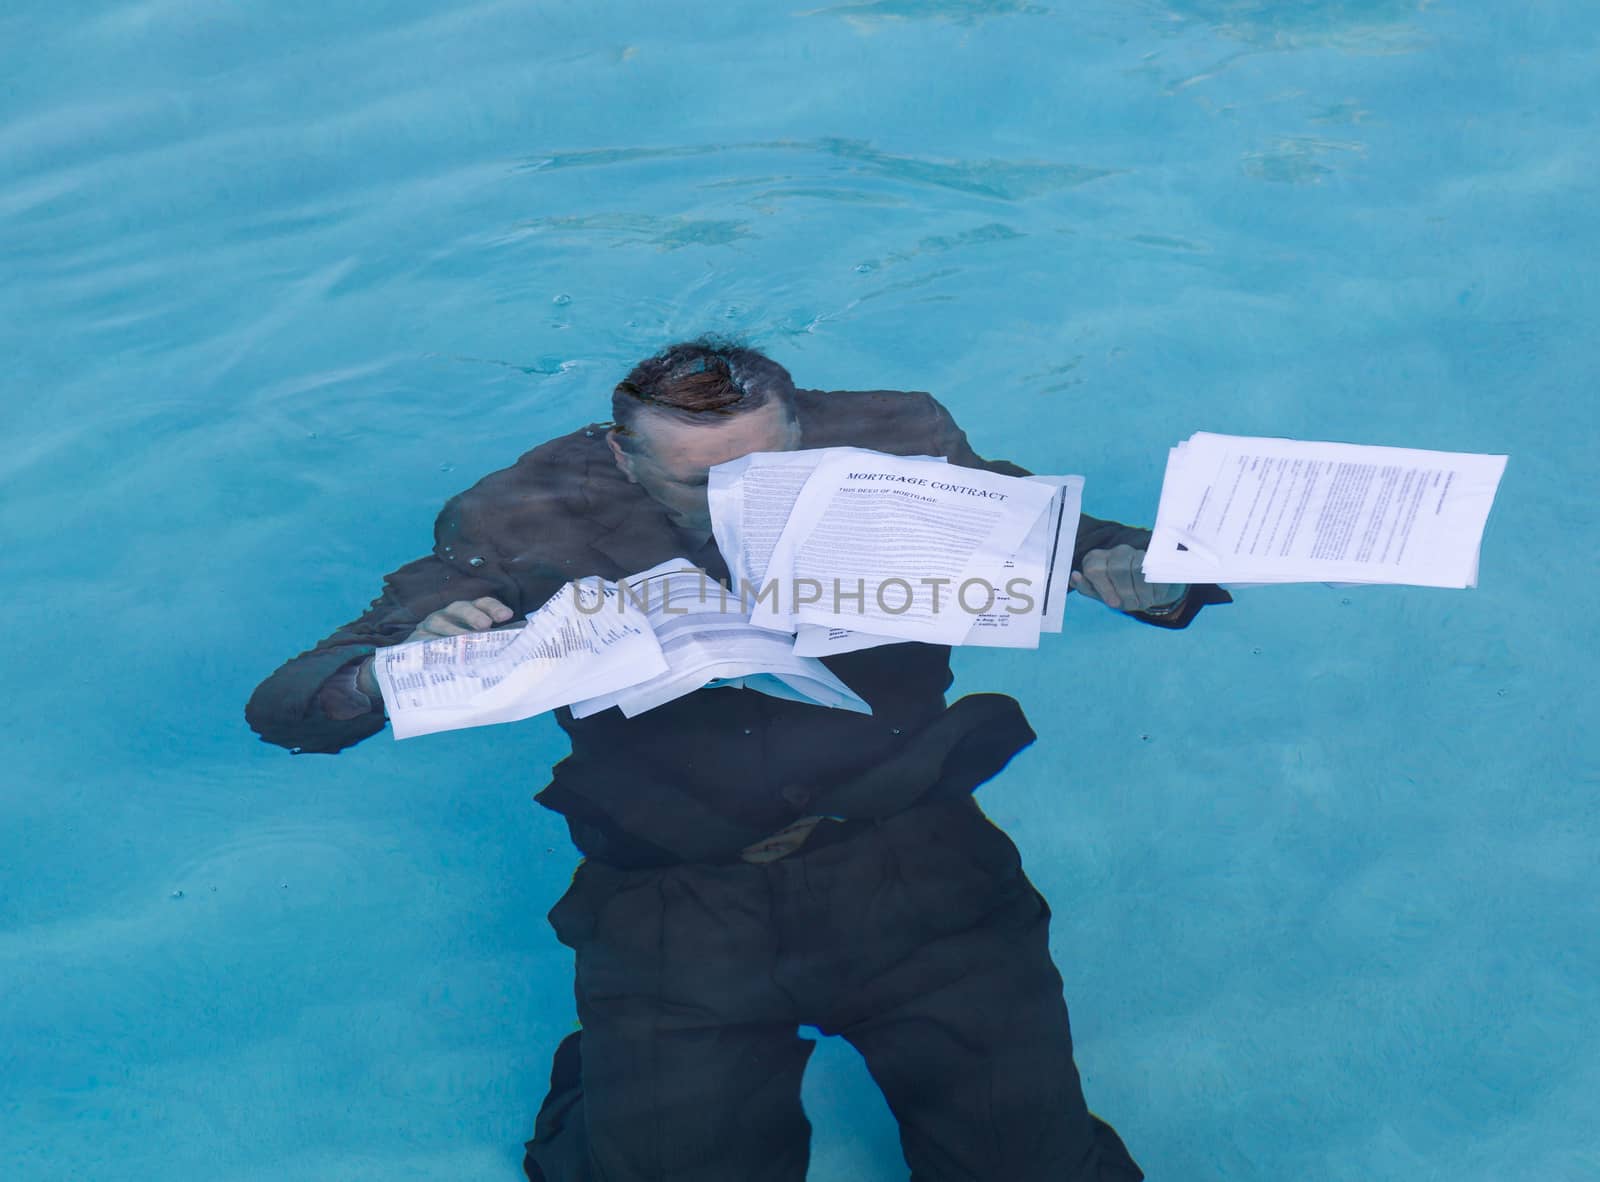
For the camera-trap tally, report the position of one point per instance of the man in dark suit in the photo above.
(752, 864)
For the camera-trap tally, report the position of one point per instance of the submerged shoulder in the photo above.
(904, 421)
(545, 487)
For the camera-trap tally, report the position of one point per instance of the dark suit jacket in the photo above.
(564, 511)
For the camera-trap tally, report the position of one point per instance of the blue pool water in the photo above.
(280, 277)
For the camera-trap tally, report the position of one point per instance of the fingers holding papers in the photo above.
(1115, 577)
(464, 615)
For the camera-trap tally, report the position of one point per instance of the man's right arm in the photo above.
(354, 690)
(291, 708)
(512, 538)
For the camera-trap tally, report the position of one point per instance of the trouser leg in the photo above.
(559, 1151)
(683, 1104)
(717, 1106)
(687, 1071)
(968, 1035)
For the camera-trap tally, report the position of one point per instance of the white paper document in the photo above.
(903, 548)
(753, 498)
(1239, 509)
(1030, 590)
(635, 644)
(705, 636)
(1031, 593)
(560, 655)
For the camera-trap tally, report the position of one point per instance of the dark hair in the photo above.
(693, 380)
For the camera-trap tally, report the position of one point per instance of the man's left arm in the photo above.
(1107, 557)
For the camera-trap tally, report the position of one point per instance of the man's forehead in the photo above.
(676, 445)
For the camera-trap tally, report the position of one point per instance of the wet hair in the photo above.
(698, 381)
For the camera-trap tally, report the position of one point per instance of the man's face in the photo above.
(670, 457)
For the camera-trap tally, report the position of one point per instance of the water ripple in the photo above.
(1359, 26)
(961, 12)
(944, 243)
(1298, 160)
(1006, 180)
(622, 229)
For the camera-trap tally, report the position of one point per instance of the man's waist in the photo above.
(647, 812)
(750, 750)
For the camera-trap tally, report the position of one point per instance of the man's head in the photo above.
(693, 406)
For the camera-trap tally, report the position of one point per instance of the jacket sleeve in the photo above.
(1093, 533)
(285, 708)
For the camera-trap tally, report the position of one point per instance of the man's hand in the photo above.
(464, 615)
(1116, 579)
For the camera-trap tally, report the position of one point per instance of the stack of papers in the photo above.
(846, 548)
(1245, 510)
(705, 636)
(633, 644)
(575, 646)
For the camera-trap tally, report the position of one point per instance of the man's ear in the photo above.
(623, 459)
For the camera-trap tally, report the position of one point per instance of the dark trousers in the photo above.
(920, 941)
